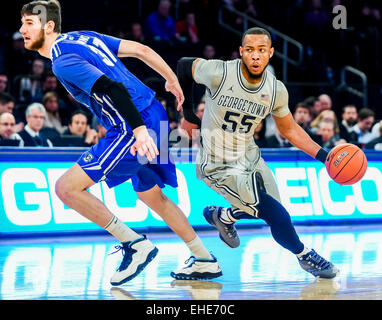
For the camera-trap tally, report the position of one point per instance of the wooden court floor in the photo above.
(79, 268)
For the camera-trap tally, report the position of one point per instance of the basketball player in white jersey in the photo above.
(239, 95)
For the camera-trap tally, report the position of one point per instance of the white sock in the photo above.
(226, 217)
(121, 231)
(198, 249)
(303, 252)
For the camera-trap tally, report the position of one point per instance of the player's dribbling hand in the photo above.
(176, 90)
(144, 144)
(192, 129)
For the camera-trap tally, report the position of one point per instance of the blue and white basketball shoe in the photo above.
(136, 256)
(198, 269)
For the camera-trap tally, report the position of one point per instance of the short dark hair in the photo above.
(53, 11)
(365, 113)
(257, 30)
(79, 111)
(310, 101)
(348, 106)
(303, 106)
(6, 98)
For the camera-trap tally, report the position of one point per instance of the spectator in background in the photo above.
(363, 126)
(327, 115)
(7, 128)
(54, 118)
(186, 30)
(326, 131)
(315, 105)
(136, 32)
(302, 115)
(78, 126)
(349, 119)
(376, 143)
(31, 136)
(3, 82)
(7, 102)
(209, 52)
(325, 102)
(29, 86)
(159, 25)
(48, 84)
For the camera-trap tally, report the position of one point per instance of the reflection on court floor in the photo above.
(81, 267)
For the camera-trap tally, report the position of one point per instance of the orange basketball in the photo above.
(346, 164)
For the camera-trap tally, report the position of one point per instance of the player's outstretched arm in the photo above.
(134, 49)
(298, 137)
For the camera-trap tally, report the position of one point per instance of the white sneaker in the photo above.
(136, 255)
(198, 269)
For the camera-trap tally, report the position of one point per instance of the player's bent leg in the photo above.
(204, 265)
(138, 251)
(284, 233)
(72, 187)
(239, 190)
(169, 211)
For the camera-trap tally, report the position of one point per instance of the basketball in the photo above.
(346, 164)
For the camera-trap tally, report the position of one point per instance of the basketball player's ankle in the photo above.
(225, 216)
(121, 231)
(198, 249)
(303, 252)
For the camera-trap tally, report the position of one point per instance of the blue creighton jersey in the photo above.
(80, 58)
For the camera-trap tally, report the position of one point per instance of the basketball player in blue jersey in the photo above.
(87, 64)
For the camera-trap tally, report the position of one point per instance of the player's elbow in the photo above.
(143, 51)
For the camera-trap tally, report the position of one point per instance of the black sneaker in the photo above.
(227, 232)
(313, 263)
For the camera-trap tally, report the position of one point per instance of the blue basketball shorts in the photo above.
(110, 159)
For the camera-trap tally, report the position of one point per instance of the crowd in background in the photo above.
(35, 110)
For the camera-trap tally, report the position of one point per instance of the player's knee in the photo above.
(153, 196)
(62, 189)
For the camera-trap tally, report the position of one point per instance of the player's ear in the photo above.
(271, 52)
(241, 51)
(49, 27)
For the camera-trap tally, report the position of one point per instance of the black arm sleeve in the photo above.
(121, 98)
(184, 73)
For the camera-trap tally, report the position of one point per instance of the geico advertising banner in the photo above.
(28, 202)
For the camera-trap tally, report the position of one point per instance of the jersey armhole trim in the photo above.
(222, 82)
(274, 94)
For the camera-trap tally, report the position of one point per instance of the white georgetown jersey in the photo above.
(234, 108)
